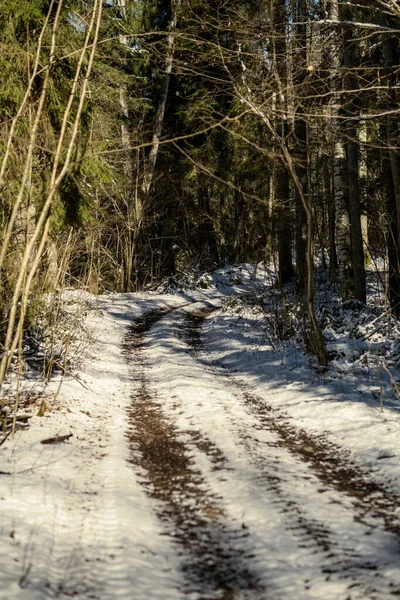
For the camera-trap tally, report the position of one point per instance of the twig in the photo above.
(378, 372)
(392, 380)
(57, 439)
(1, 443)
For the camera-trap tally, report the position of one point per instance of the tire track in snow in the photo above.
(61, 557)
(199, 401)
(327, 460)
(214, 564)
(327, 463)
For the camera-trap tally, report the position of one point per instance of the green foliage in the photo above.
(97, 170)
(14, 77)
(76, 207)
(20, 18)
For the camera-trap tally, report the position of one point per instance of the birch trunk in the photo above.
(363, 176)
(60, 168)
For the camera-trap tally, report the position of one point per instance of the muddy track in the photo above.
(330, 463)
(217, 555)
(214, 565)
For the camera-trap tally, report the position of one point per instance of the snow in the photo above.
(201, 398)
(73, 519)
(345, 409)
(81, 517)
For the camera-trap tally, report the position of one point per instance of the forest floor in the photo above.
(208, 459)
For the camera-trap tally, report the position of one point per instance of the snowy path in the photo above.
(304, 537)
(183, 480)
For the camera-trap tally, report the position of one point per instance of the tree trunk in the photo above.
(159, 120)
(392, 234)
(206, 234)
(363, 178)
(300, 129)
(142, 193)
(286, 270)
(328, 187)
(340, 187)
(350, 61)
(391, 163)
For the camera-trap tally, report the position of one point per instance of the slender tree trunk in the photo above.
(392, 233)
(282, 182)
(129, 233)
(328, 188)
(350, 61)
(313, 333)
(340, 187)
(301, 152)
(159, 120)
(60, 168)
(391, 162)
(206, 232)
(23, 184)
(392, 179)
(282, 186)
(363, 177)
(142, 192)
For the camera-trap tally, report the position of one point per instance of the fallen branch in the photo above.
(18, 418)
(1, 443)
(57, 439)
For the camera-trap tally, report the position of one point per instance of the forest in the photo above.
(143, 140)
(200, 299)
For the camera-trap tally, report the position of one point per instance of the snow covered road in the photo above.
(305, 536)
(184, 479)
